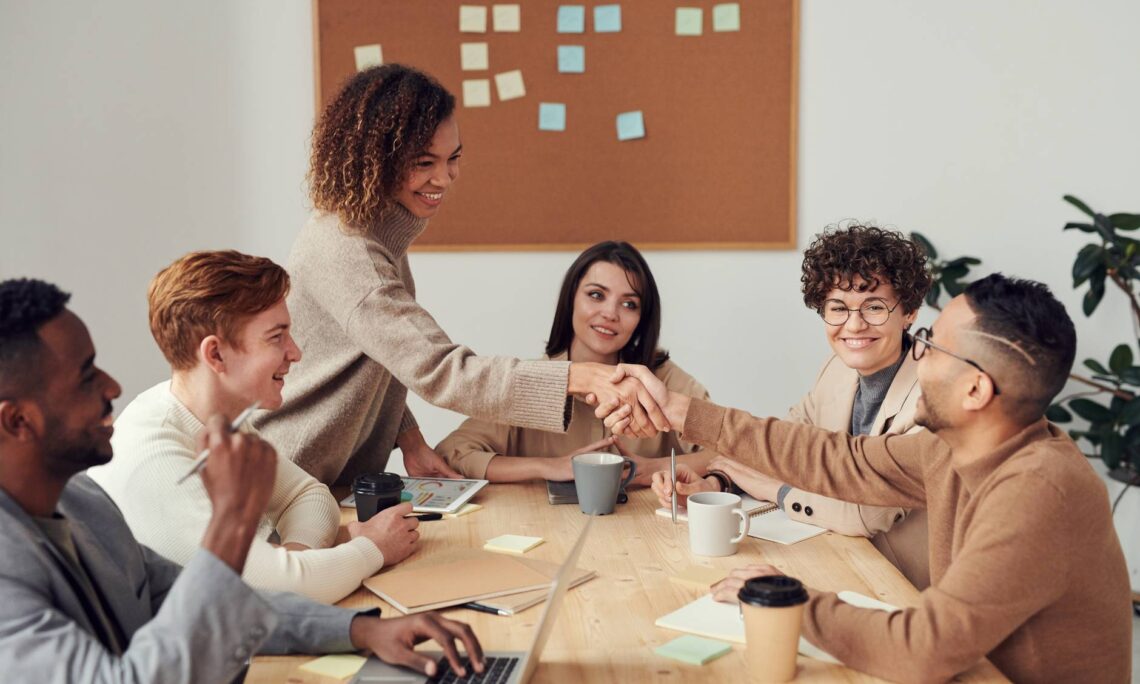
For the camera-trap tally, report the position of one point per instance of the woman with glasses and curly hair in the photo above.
(867, 285)
(385, 153)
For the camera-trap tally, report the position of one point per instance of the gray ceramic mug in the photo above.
(598, 481)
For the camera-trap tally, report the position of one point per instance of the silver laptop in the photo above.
(502, 667)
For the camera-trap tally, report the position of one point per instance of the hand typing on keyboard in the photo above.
(394, 640)
(495, 671)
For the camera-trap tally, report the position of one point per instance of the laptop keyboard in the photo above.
(496, 671)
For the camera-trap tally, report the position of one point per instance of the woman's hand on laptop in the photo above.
(394, 640)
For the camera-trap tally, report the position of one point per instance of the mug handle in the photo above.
(744, 526)
(632, 473)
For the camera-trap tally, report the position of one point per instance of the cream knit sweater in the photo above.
(154, 445)
(366, 342)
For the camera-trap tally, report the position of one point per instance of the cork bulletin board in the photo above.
(715, 168)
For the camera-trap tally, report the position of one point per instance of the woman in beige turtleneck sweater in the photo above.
(385, 153)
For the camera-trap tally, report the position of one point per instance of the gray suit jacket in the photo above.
(194, 624)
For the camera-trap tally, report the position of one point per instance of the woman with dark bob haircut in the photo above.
(385, 153)
(866, 284)
(608, 312)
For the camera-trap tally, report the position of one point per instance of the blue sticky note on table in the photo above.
(630, 125)
(607, 19)
(694, 650)
(571, 59)
(551, 116)
(571, 18)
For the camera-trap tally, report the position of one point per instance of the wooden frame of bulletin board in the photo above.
(716, 168)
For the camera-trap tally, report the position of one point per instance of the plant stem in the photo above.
(1116, 392)
(1119, 497)
(1127, 289)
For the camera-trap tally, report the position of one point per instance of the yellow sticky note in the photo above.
(473, 56)
(510, 85)
(477, 92)
(507, 18)
(699, 577)
(367, 56)
(335, 666)
(464, 510)
(472, 19)
(512, 543)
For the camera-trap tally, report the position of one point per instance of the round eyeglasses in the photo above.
(921, 340)
(874, 311)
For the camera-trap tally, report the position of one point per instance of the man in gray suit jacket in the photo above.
(80, 599)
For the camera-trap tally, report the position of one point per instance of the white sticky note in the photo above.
(607, 19)
(630, 125)
(690, 21)
(368, 56)
(472, 19)
(572, 19)
(477, 92)
(571, 59)
(510, 85)
(512, 543)
(551, 116)
(474, 56)
(726, 17)
(507, 18)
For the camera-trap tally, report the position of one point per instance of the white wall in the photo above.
(134, 131)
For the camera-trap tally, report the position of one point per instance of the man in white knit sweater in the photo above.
(221, 321)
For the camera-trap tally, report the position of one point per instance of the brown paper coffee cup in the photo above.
(773, 609)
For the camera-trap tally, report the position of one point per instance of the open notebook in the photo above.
(768, 522)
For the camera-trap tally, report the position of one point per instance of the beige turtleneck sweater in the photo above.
(366, 342)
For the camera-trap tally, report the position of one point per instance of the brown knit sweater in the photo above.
(1025, 565)
(365, 340)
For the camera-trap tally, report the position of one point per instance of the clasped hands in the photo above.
(630, 399)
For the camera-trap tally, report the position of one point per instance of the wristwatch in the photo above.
(723, 480)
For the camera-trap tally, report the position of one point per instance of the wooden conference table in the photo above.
(605, 631)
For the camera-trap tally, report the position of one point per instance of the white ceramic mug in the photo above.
(714, 528)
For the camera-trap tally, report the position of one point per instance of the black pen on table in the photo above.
(425, 517)
(484, 609)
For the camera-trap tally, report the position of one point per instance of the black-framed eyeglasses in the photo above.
(874, 311)
(921, 340)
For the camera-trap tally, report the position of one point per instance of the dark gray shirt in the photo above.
(870, 394)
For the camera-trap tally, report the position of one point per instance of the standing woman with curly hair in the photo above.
(867, 285)
(385, 153)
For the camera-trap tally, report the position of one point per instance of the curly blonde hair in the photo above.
(367, 138)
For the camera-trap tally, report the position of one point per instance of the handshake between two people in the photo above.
(630, 399)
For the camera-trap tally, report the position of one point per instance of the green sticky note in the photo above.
(690, 21)
(335, 666)
(726, 17)
(693, 650)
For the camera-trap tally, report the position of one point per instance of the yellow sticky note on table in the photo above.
(507, 18)
(477, 92)
(473, 56)
(699, 577)
(472, 19)
(510, 85)
(512, 543)
(336, 666)
(367, 56)
(464, 510)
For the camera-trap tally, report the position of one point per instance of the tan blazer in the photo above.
(474, 443)
(900, 535)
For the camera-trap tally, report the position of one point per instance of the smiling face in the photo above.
(864, 347)
(77, 398)
(432, 172)
(607, 309)
(255, 367)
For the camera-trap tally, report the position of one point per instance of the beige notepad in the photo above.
(515, 603)
(471, 577)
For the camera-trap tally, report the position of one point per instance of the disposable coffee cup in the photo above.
(374, 492)
(773, 610)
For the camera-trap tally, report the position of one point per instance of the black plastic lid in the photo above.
(773, 591)
(377, 483)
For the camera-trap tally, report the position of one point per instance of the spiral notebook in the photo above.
(752, 507)
(767, 522)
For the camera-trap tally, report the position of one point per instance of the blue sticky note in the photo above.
(607, 18)
(571, 18)
(630, 126)
(551, 116)
(571, 59)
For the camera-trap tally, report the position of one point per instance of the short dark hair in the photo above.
(26, 305)
(842, 252)
(642, 346)
(1027, 315)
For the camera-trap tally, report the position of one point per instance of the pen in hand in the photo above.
(234, 427)
(673, 477)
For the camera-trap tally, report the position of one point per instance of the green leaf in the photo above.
(1058, 414)
(1079, 205)
(1111, 448)
(1086, 262)
(932, 295)
(931, 253)
(1130, 414)
(954, 272)
(1131, 375)
(962, 261)
(1095, 366)
(954, 288)
(1091, 411)
(1092, 299)
(1121, 359)
(1125, 221)
(1104, 227)
(1083, 227)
